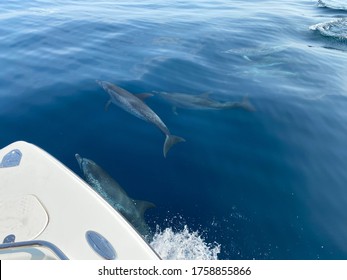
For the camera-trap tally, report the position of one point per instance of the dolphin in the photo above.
(202, 102)
(134, 105)
(257, 52)
(115, 195)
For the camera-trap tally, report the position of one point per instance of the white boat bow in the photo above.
(48, 212)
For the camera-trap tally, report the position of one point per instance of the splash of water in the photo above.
(336, 29)
(183, 245)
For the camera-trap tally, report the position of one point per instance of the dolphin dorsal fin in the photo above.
(142, 206)
(143, 96)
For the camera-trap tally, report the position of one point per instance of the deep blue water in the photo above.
(268, 184)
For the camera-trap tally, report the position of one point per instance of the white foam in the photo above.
(336, 28)
(183, 245)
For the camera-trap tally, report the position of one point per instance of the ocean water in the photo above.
(266, 184)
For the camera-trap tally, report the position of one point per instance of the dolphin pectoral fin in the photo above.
(142, 206)
(170, 140)
(174, 110)
(143, 96)
(108, 103)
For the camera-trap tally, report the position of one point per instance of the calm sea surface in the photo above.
(266, 184)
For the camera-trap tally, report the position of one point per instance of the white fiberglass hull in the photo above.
(42, 200)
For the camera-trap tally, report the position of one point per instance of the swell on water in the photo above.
(332, 4)
(336, 28)
(184, 244)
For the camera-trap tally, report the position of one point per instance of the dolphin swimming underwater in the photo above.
(134, 105)
(114, 194)
(202, 102)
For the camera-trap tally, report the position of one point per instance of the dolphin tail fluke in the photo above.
(171, 140)
(142, 206)
(247, 105)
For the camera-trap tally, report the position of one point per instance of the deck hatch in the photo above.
(11, 159)
(100, 245)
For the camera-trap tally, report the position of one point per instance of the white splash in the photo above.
(183, 245)
(336, 28)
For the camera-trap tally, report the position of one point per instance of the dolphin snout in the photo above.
(79, 159)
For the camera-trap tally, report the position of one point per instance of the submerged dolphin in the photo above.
(257, 52)
(202, 102)
(134, 105)
(113, 193)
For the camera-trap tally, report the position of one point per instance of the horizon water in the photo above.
(266, 184)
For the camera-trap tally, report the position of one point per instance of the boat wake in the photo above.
(183, 245)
